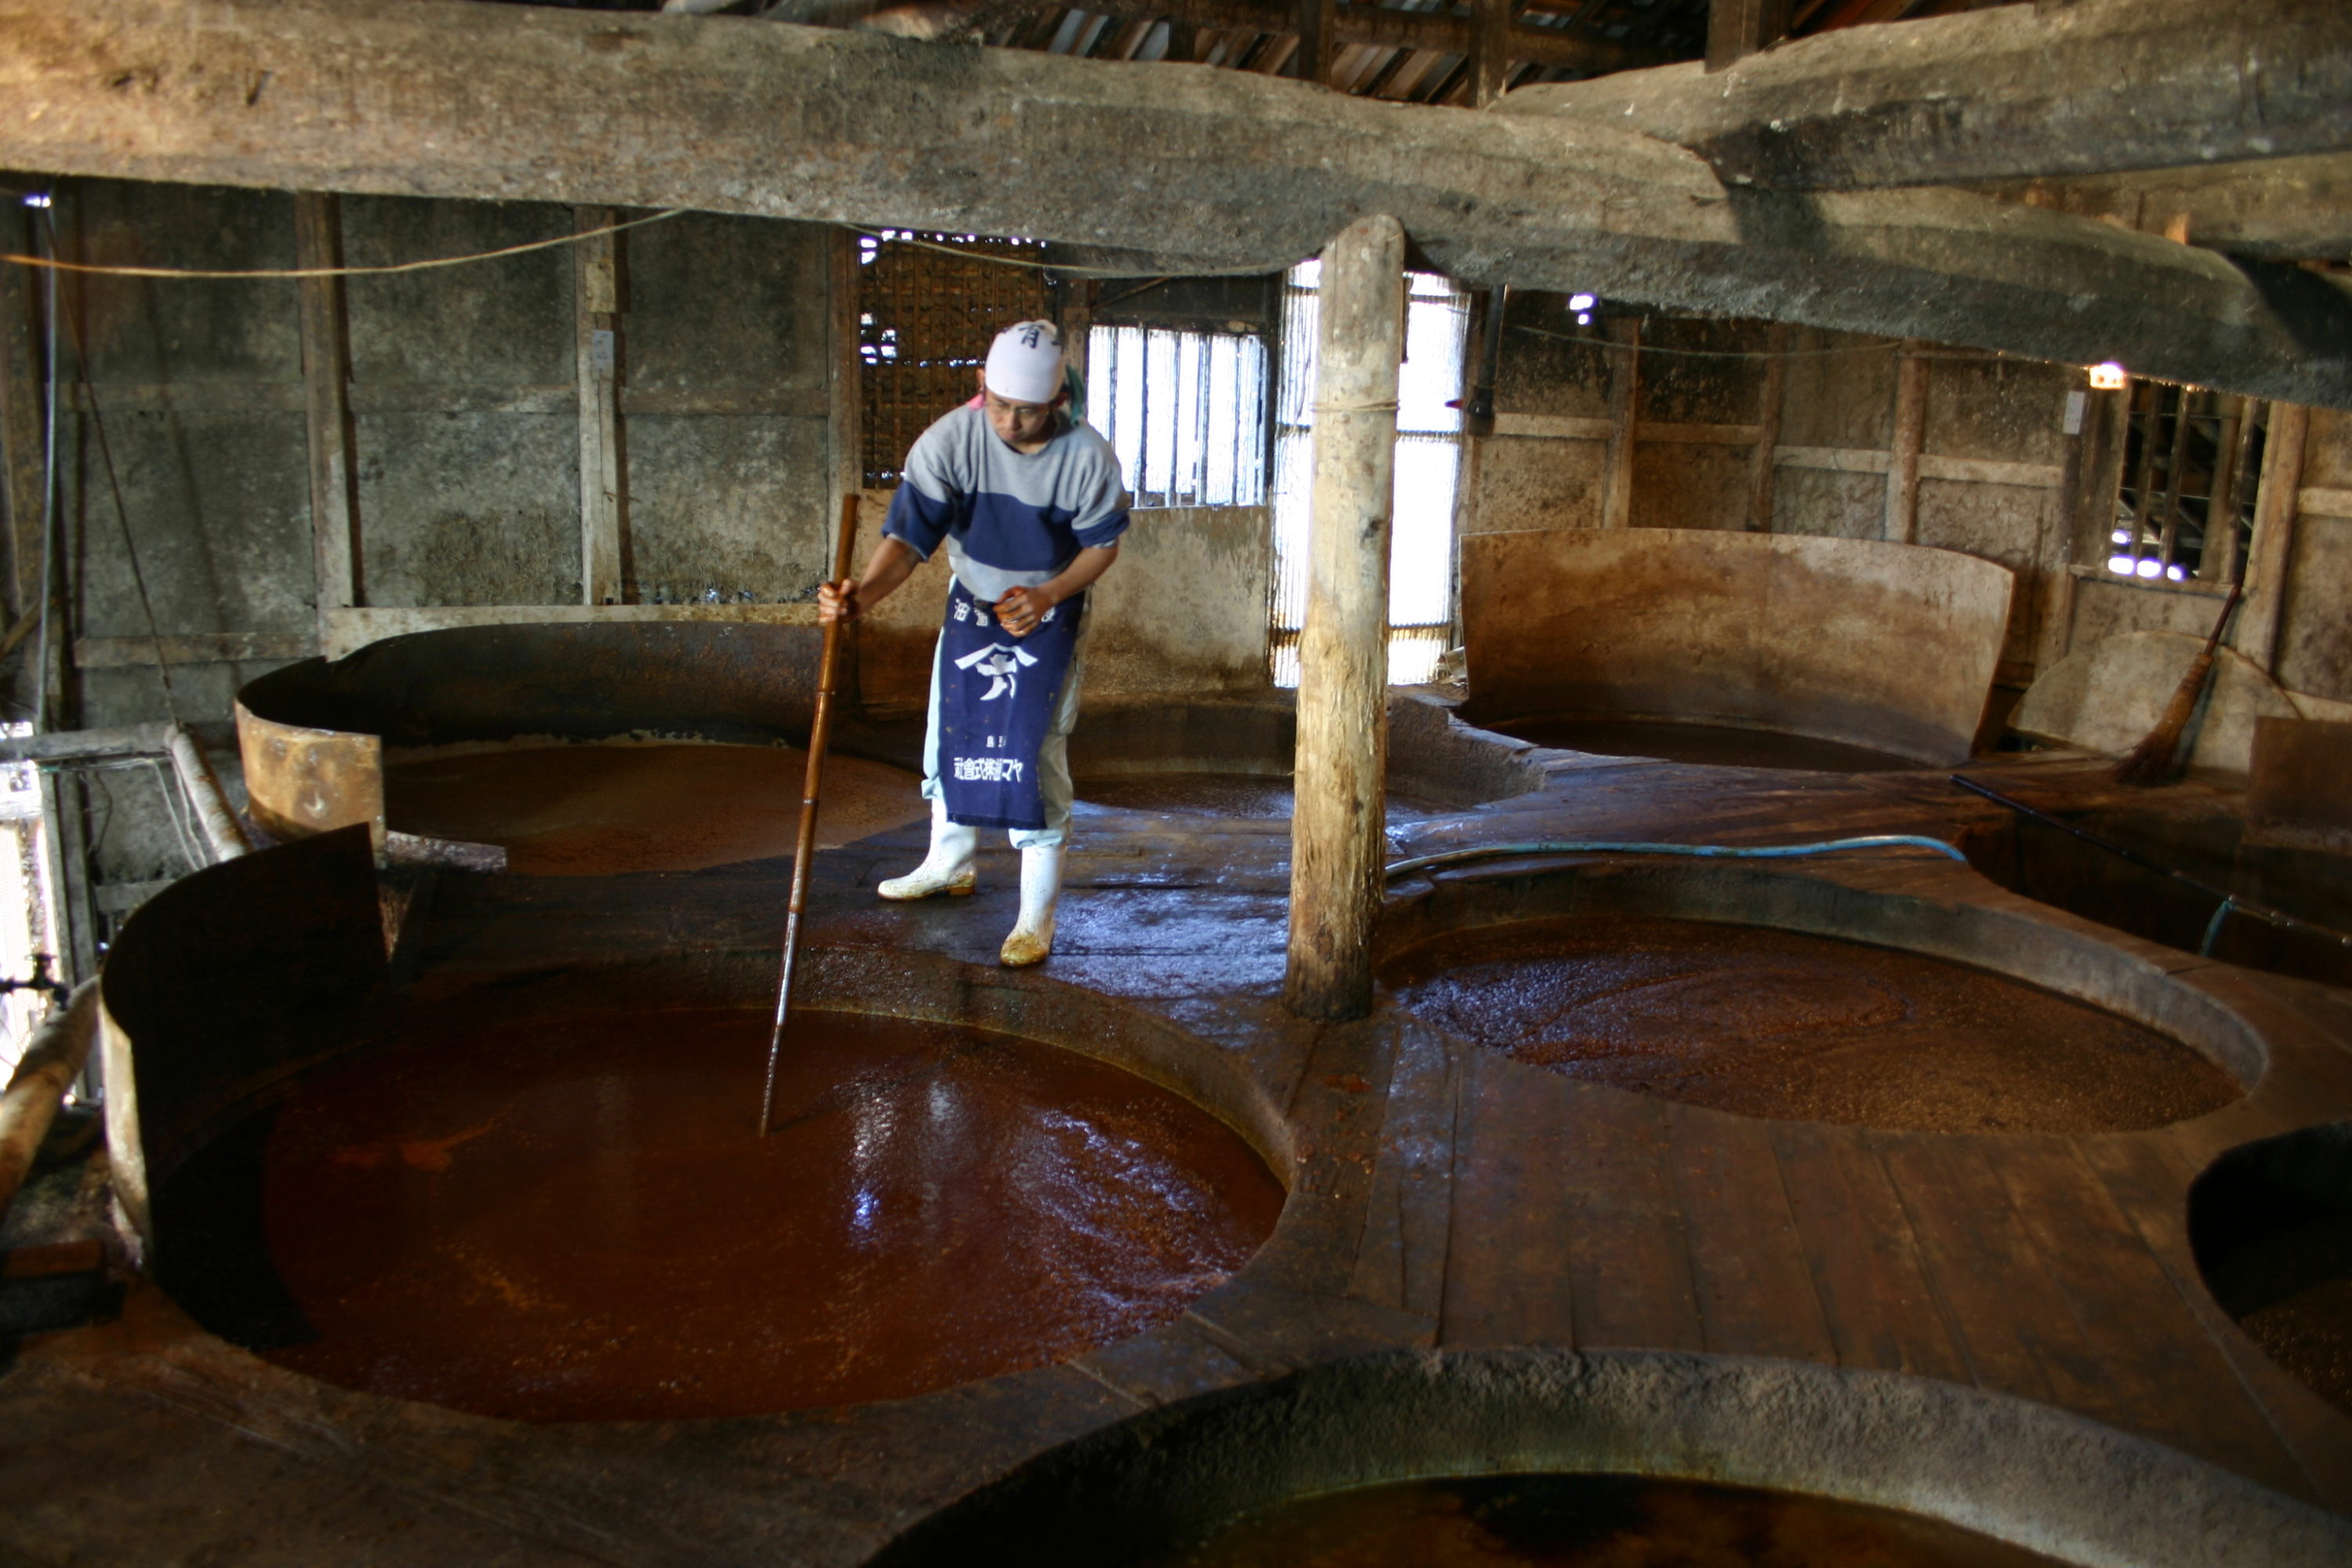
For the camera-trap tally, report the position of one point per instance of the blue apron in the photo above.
(997, 694)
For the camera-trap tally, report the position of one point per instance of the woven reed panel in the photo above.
(926, 321)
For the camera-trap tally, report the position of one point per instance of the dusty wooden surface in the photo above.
(1910, 104)
(291, 94)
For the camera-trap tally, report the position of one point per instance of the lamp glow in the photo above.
(2109, 377)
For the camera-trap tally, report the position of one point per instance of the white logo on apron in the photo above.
(1001, 664)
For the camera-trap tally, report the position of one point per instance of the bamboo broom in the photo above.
(820, 731)
(2151, 762)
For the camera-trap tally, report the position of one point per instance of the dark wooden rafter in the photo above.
(1489, 60)
(1213, 169)
(1385, 26)
(1738, 28)
(1316, 24)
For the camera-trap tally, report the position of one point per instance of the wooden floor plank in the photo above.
(1865, 1261)
(1628, 1258)
(1507, 1255)
(2178, 1386)
(1755, 1294)
(1401, 1263)
(2148, 1179)
(2012, 1322)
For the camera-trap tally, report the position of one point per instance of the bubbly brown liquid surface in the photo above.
(576, 1220)
(2310, 1334)
(1779, 1024)
(594, 810)
(1712, 745)
(1590, 1521)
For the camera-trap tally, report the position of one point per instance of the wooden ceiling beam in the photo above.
(2095, 87)
(2280, 209)
(1197, 169)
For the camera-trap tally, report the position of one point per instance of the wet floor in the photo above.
(594, 810)
(1710, 745)
(1779, 1024)
(574, 1220)
(1263, 797)
(1590, 1521)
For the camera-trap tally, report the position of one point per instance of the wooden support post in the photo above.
(65, 804)
(1902, 455)
(2273, 547)
(1762, 458)
(1624, 421)
(2176, 473)
(2221, 562)
(24, 466)
(1337, 832)
(2085, 501)
(595, 305)
(1738, 28)
(326, 403)
(1319, 27)
(1490, 48)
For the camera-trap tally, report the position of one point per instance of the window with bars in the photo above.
(1428, 467)
(1185, 412)
(2192, 461)
(926, 317)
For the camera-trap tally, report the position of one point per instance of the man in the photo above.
(1030, 506)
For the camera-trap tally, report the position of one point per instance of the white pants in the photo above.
(1053, 784)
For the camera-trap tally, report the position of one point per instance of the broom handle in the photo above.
(804, 851)
(2192, 685)
(2154, 752)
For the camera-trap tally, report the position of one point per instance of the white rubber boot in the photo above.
(945, 870)
(1040, 889)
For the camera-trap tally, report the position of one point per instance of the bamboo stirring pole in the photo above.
(820, 730)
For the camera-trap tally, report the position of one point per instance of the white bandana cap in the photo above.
(1025, 364)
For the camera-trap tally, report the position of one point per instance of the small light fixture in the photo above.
(37, 199)
(2121, 565)
(2150, 568)
(1582, 302)
(2109, 377)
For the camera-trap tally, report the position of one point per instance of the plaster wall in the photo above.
(465, 425)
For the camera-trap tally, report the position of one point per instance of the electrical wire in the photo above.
(98, 269)
(899, 236)
(45, 235)
(1649, 349)
(1704, 851)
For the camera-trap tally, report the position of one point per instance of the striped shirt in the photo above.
(1010, 519)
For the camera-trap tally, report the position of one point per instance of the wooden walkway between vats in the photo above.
(1509, 1206)
(2052, 1268)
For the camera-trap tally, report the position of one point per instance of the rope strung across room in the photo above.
(98, 269)
(1707, 851)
